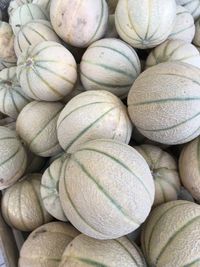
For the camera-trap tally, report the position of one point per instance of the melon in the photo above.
(7, 53)
(36, 125)
(163, 103)
(93, 115)
(85, 251)
(33, 33)
(79, 23)
(14, 4)
(49, 189)
(111, 31)
(184, 28)
(171, 235)
(12, 98)
(189, 162)
(13, 158)
(106, 189)
(25, 13)
(22, 206)
(112, 4)
(174, 50)
(164, 171)
(145, 24)
(45, 4)
(47, 71)
(193, 6)
(110, 64)
(44, 246)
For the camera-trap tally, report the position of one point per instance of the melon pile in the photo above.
(100, 133)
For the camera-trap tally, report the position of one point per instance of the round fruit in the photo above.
(110, 64)
(93, 115)
(14, 4)
(84, 251)
(47, 71)
(36, 125)
(22, 206)
(44, 246)
(106, 189)
(193, 6)
(163, 103)
(145, 24)
(171, 234)
(86, 24)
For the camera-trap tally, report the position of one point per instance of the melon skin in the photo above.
(93, 115)
(36, 125)
(81, 27)
(14, 4)
(45, 4)
(13, 158)
(49, 189)
(7, 53)
(84, 251)
(171, 233)
(33, 33)
(184, 28)
(137, 21)
(89, 199)
(44, 246)
(110, 64)
(47, 71)
(22, 206)
(174, 50)
(189, 167)
(193, 6)
(170, 112)
(12, 98)
(164, 170)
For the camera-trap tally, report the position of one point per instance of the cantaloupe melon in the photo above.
(184, 28)
(164, 171)
(22, 206)
(110, 64)
(12, 98)
(106, 189)
(47, 71)
(112, 4)
(13, 158)
(193, 6)
(33, 33)
(25, 13)
(14, 4)
(93, 115)
(174, 50)
(189, 166)
(49, 189)
(79, 23)
(171, 235)
(163, 103)
(45, 246)
(111, 31)
(85, 251)
(145, 24)
(7, 53)
(36, 125)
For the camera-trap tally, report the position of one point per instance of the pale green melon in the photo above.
(14, 4)
(93, 115)
(47, 71)
(85, 251)
(171, 234)
(36, 125)
(193, 6)
(86, 24)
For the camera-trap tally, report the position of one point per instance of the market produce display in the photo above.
(100, 133)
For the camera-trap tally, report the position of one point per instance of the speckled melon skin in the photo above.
(45, 246)
(84, 251)
(174, 50)
(170, 112)
(22, 206)
(189, 166)
(74, 22)
(170, 237)
(104, 191)
(184, 28)
(137, 21)
(36, 125)
(93, 115)
(164, 171)
(193, 6)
